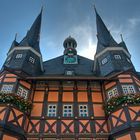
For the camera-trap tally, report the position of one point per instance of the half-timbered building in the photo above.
(69, 97)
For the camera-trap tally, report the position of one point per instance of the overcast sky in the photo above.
(62, 18)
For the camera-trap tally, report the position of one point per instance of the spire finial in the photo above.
(15, 36)
(33, 35)
(94, 7)
(121, 37)
(42, 7)
(104, 36)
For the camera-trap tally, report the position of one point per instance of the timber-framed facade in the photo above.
(69, 97)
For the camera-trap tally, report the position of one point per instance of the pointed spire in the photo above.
(14, 43)
(104, 37)
(94, 8)
(15, 36)
(32, 37)
(122, 43)
(42, 8)
(121, 37)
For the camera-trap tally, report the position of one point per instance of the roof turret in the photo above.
(32, 37)
(105, 39)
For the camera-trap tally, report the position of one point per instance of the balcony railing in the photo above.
(115, 102)
(17, 101)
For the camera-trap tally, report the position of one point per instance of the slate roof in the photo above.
(56, 67)
(122, 44)
(105, 39)
(138, 74)
(33, 35)
(14, 44)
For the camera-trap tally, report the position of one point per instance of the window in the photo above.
(52, 109)
(67, 110)
(69, 72)
(128, 89)
(69, 44)
(104, 61)
(83, 110)
(113, 92)
(32, 60)
(7, 88)
(22, 92)
(18, 56)
(117, 56)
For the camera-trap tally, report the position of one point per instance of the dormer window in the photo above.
(18, 56)
(104, 61)
(117, 56)
(32, 60)
(69, 72)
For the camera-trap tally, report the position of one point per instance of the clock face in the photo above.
(70, 59)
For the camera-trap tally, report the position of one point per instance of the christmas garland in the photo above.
(17, 101)
(123, 100)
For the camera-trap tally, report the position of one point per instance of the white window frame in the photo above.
(112, 92)
(117, 56)
(22, 92)
(69, 72)
(128, 89)
(67, 112)
(83, 110)
(52, 110)
(104, 61)
(32, 60)
(19, 55)
(7, 88)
